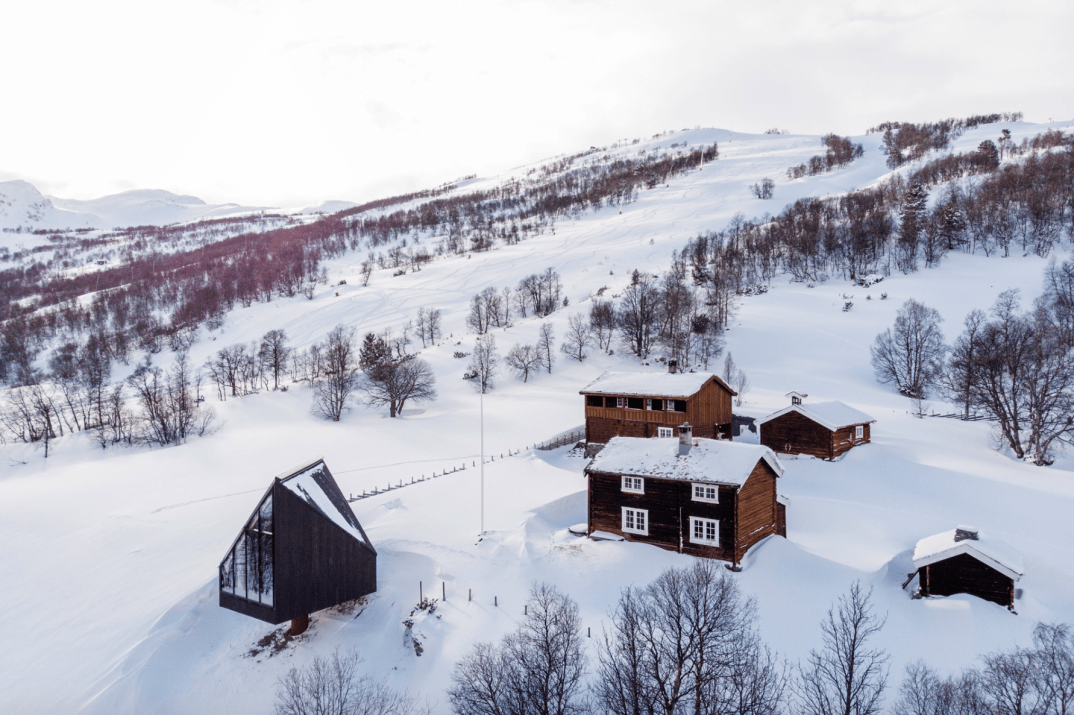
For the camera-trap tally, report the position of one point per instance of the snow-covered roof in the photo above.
(651, 384)
(709, 460)
(315, 485)
(987, 550)
(833, 415)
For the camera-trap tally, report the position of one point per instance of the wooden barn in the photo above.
(964, 561)
(699, 496)
(630, 404)
(301, 550)
(824, 430)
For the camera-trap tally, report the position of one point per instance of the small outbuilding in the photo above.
(824, 430)
(300, 551)
(705, 497)
(963, 560)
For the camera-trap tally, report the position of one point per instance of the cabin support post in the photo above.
(299, 625)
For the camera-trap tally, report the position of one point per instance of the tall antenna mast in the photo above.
(482, 458)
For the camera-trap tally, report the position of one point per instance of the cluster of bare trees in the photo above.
(906, 141)
(336, 686)
(393, 378)
(1014, 367)
(686, 320)
(537, 295)
(524, 359)
(840, 152)
(1023, 681)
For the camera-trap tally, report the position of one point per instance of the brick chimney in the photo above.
(686, 438)
(673, 366)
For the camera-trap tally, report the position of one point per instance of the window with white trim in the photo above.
(634, 485)
(665, 432)
(636, 521)
(707, 493)
(704, 531)
(619, 402)
(859, 432)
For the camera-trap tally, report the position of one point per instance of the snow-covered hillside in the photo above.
(110, 560)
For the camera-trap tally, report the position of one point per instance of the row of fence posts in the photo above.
(552, 444)
(470, 597)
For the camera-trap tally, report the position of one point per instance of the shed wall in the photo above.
(794, 433)
(965, 574)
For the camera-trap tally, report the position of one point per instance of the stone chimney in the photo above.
(964, 533)
(686, 438)
(673, 366)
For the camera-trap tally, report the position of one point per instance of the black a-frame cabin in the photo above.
(301, 550)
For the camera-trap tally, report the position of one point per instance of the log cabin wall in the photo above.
(965, 574)
(709, 408)
(781, 519)
(794, 433)
(670, 505)
(843, 440)
(634, 423)
(756, 513)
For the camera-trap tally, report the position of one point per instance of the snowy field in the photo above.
(109, 564)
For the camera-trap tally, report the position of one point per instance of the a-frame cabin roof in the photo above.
(313, 483)
(652, 384)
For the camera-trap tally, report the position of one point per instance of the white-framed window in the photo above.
(619, 402)
(648, 403)
(665, 432)
(634, 485)
(636, 521)
(704, 531)
(707, 493)
(859, 432)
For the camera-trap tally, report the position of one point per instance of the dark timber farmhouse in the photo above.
(824, 430)
(300, 551)
(964, 561)
(698, 496)
(629, 404)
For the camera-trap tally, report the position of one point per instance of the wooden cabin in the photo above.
(300, 551)
(824, 430)
(964, 561)
(630, 404)
(705, 497)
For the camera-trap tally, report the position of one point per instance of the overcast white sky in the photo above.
(288, 102)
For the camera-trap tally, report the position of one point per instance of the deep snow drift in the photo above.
(109, 566)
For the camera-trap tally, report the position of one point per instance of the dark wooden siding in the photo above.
(756, 508)
(708, 411)
(670, 506)
(711, 407)
(843, 440)
(965, 574)
(318, 564)
(794, 433)
(781, 519)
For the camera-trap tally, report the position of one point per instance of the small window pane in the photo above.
(634, 403)
(594, 401)
(680, 405)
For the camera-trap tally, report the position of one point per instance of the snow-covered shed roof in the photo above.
(651, 384)
(987, 550)
(833, 415)
(313, 483)
(708, 460)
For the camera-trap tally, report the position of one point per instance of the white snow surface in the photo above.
(832, 414)
(987, 549)
(708, 460)
(109, 559)
(649, 384)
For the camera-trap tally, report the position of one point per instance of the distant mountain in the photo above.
(22, 205)
(151, 207)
